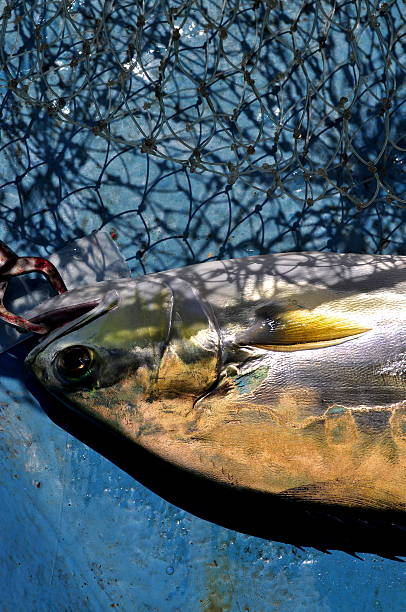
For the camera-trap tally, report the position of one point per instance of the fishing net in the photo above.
(204, 128)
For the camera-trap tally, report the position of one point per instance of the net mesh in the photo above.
(202, 129)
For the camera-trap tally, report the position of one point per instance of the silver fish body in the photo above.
(283, 373)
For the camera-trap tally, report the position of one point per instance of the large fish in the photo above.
(284, 374)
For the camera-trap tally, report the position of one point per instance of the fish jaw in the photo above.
(156, 350)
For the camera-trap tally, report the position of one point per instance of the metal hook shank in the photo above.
(11, 265)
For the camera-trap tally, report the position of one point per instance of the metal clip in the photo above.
(12, 265)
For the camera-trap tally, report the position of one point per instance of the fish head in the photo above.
(146, 351)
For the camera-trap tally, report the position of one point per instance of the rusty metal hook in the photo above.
(11, 265)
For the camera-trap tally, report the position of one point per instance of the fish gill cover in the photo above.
(202, 129)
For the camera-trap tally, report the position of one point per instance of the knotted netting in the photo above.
(205, 128)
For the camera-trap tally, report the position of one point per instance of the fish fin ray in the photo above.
(298, 329)
(346, 493)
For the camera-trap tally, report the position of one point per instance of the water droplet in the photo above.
(75, 253)
(169, 570)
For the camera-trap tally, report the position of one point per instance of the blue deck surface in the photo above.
(77, 532)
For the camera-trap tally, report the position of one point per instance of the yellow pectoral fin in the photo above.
(302, 326)
(300, 329)
(304, 346)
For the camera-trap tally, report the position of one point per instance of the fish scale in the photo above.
(282, 374)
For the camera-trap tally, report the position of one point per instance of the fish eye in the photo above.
(74, 363)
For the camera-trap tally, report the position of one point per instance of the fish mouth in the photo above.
(73, 310)
(61, 311)
(64, 308)
(54, 319)
(72, 318)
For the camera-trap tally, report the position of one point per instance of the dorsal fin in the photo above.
(298, 329)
